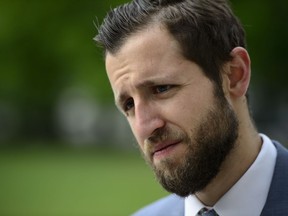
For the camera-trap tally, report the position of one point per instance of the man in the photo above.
(180, 72)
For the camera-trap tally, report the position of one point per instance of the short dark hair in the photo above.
(206, 30)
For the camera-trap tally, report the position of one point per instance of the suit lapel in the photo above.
(277, 200)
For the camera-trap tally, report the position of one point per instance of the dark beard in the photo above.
(214, 140)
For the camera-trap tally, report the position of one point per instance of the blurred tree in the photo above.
(267, 33)
(47, 47)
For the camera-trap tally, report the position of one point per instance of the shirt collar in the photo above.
(248, 195)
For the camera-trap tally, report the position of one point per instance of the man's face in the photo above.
(185, 128)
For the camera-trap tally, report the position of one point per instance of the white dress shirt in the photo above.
(248, 196)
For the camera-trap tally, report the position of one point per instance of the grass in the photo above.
(50, 182)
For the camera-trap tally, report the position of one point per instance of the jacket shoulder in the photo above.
(277, 200)
(171, 205)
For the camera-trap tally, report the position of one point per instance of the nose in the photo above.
(147, 119)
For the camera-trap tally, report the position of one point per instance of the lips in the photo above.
(163, 146)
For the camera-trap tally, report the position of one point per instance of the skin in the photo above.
(156, 87)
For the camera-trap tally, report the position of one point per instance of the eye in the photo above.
(128, 105)
(162, 88)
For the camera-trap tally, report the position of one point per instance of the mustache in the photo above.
(162, 134)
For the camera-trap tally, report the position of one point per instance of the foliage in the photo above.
(267, 33)
(47, 47)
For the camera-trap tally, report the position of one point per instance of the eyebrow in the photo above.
(147, 83)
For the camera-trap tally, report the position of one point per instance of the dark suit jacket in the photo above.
(276, 203)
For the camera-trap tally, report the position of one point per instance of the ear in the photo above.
(239, 72)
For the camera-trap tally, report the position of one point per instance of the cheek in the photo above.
(188, 112)
(182, 109)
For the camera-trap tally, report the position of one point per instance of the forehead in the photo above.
(146, 56)
(146, 45)
(148, 35)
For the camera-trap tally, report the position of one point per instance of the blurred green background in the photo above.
(64, 149)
